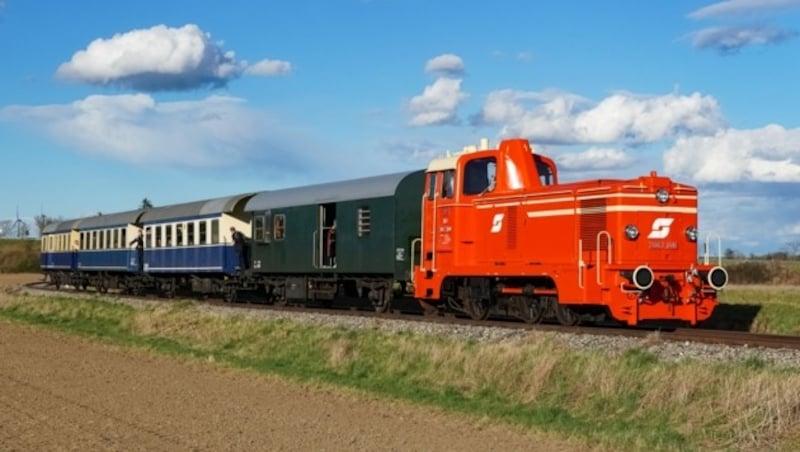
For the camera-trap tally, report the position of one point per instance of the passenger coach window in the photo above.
(168, 235)
(203, 226)
(214, 231)
(148, 237)
(431, 186)
(158, 237)
(116, 239)
(190, 233)
(179, 234)
(448, 184)
(123, 239)
(94, 240)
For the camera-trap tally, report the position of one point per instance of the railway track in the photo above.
(674, 334)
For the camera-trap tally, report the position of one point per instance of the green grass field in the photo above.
(633, 401)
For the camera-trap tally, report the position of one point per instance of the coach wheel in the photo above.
(478, 309)
(229, 294)
(56, 281)
(382, 301)
(564, 314)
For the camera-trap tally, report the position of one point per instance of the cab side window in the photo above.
(449, 184)
(479, 176)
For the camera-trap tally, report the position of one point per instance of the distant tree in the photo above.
(730, 253)
(146, 204)
(793, 248)
(42, 221)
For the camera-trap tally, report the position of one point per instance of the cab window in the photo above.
(479, 176)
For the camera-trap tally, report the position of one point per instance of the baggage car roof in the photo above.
(365, 188)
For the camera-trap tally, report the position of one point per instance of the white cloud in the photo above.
(216, 131)
(594, 158)
(742, 7)
(437, 104)
(768, 154)
(449, 65)
(158, 58)
(269, 68)
(794, 229)
(732, 39)
(565, 118)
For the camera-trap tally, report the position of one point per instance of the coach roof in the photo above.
(365, 188)
(111, 220)
(196, 209)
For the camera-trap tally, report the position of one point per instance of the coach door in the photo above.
(325, 237)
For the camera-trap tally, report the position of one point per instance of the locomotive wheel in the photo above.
(564, 314)
(477, 309)
(534, 311)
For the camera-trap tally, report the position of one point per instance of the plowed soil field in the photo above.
(60, 392)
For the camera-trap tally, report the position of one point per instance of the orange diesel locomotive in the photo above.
(501, 235)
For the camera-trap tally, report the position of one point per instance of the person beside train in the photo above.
(241, 247)
(138, 242)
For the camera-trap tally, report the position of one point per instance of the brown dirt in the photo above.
(64, 392)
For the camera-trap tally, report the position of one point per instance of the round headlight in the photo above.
(662, 195)
(691, 233)
(631, 232)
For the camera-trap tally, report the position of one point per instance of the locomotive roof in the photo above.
(195, 209)
(364, 188)
(110, 220)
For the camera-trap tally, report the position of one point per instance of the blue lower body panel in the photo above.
(191, 259)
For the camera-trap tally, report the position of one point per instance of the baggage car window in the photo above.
(364, 221)
(280, 227)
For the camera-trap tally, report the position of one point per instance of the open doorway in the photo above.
(327, 243)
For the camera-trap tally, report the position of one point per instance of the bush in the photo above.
(19, 256)
(762, 272)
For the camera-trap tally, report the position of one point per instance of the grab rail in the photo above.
(608, 253)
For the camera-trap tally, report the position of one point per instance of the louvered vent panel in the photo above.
(593, 220)
(511, 238)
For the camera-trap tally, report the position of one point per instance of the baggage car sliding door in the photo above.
(324, 253)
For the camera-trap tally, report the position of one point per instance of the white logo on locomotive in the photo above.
(497, 223)
(660, 228)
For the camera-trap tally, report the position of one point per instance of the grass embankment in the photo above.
(761, 309)
(633, 401)
(19, 256)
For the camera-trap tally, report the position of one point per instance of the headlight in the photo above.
(691, 233)
(631, 232)
(662, 195)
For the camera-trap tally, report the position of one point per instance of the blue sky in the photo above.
(105, 103)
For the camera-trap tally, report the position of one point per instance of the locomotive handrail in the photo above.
(413, 255)
(314, 249)
(608, 253)
(706, 256)
(581, 264)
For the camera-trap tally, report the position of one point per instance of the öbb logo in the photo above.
(660, 228)
(497, 223)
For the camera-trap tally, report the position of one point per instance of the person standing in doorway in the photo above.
(138, 243)
(240, 246)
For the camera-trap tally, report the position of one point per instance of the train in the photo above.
(484, 232)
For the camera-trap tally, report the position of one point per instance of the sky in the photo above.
(105, 103)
